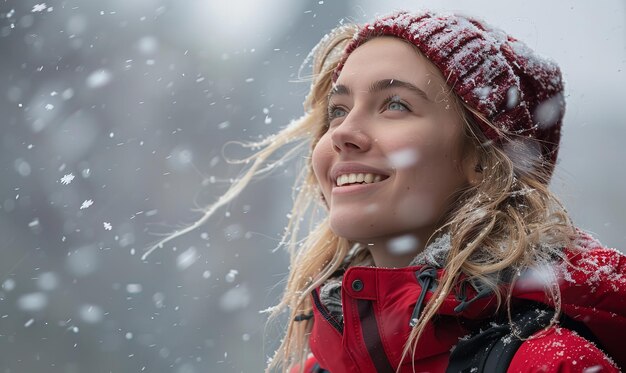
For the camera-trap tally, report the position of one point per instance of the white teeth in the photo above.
(358, 178)
(343, 179)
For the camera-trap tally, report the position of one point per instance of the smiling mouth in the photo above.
(359, 178)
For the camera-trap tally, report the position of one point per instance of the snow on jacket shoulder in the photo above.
(593, 293)
(560, 350)
(378, 305)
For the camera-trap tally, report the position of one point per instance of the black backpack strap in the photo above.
(492, 348)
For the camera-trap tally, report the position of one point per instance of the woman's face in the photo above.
(392, 156)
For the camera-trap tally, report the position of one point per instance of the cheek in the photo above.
(320, 159)
(418, 206)
(423, 194)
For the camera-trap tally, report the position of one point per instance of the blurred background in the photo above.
(114, 115)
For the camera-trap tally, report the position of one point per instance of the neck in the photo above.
(395, 251)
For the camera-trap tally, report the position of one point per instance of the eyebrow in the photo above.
(379, 86)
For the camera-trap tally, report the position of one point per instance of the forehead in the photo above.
(388, 57)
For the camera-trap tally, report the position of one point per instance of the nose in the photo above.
(350, 137)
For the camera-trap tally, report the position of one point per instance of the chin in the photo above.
(352, 230)
(358, 229)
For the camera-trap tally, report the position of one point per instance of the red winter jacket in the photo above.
(378, 304)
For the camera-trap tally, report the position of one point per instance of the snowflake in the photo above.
(39, 7)
(230, 277)
(87, 203)
(107, 226)
(66, 179)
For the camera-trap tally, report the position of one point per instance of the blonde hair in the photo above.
(509, 221)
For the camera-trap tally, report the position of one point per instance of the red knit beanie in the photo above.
(500, 77)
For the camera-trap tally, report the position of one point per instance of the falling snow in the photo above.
(231, 275)
(548, 112)
(99, 78)
(33, 223)
(66, 179)
(32, 302)
(134, 288)
(187, 258)
(86, 204)
(8, 284)
(402, 245)
(39, 7)
(91, 313)
(48, 281)
(235, 299)
(158, 299)
(403, 158)
(99, 98)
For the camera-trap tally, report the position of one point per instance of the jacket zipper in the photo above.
(325, 313)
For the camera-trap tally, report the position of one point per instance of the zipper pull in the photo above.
(426, 278)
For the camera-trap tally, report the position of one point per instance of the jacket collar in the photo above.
(591, 281)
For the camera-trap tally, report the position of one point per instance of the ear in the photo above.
(322, 197)
(472, 165)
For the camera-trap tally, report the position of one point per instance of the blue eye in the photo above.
(397, 106)
(336, 112)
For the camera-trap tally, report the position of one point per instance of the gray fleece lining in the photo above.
(434, 255)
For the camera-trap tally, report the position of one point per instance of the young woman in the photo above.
(432, 142)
